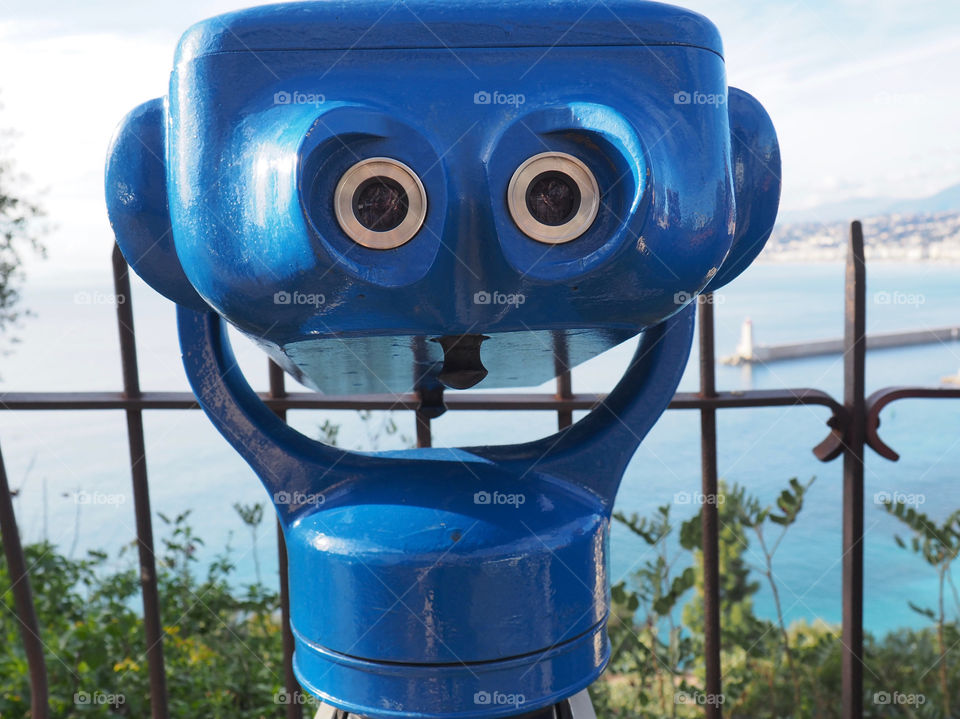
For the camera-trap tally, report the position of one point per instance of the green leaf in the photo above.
(928, 613)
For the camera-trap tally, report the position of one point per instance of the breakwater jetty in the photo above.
(748, 351)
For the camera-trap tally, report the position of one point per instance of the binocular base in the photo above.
(576, 707)
(452, 691)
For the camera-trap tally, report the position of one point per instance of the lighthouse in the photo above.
(745, 347)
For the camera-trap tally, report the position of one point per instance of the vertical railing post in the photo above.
(278, 390)
(430, 406)
(854, 373)
(708, 512)
(424, 431)
(24, 609)
(141, 491)
(564, 391)
(561, 366)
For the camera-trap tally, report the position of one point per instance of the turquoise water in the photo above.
(70, 344)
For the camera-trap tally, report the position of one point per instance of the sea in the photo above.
(70, 470)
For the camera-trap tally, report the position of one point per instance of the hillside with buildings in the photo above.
(903, 237)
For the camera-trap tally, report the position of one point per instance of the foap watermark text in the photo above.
(510, 299)
(99, 698)
(698, 498)
(99, 498)
(910, 499)
(298, 298)
(295, 97)
(496, 97)
(298, 499)
(899, 299)
(497, 698)
(498, 498)
(711, 298)
(699, 699)
(684, 97)
(899, 699)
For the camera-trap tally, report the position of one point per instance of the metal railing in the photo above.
(853, 425)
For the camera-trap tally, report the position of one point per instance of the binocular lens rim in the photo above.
(390, 169)
(553, 163)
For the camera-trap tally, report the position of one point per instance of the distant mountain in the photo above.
(944, 201)
(947, 200)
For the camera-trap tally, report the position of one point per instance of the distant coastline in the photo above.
(914, 238)
(839, 257)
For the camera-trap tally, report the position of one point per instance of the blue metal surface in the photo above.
(756, 180)
(378, 24)
(443, 582)
(136, 188)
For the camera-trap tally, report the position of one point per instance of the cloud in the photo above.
(44, 19)
(64, 103)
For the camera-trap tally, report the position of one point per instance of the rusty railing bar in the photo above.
(153, 628)
(278, 390)
(882, 397)
(854, 372)
(24, 609)
(708, 512)
(30, 401)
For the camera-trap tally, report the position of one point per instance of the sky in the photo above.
(864, 95)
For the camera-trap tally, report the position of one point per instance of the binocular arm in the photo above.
(592, 454)
(284, 459)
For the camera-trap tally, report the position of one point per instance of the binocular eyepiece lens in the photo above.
(380, 203)
(553, 198)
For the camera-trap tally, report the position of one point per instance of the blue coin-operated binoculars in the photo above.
(393, 196)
